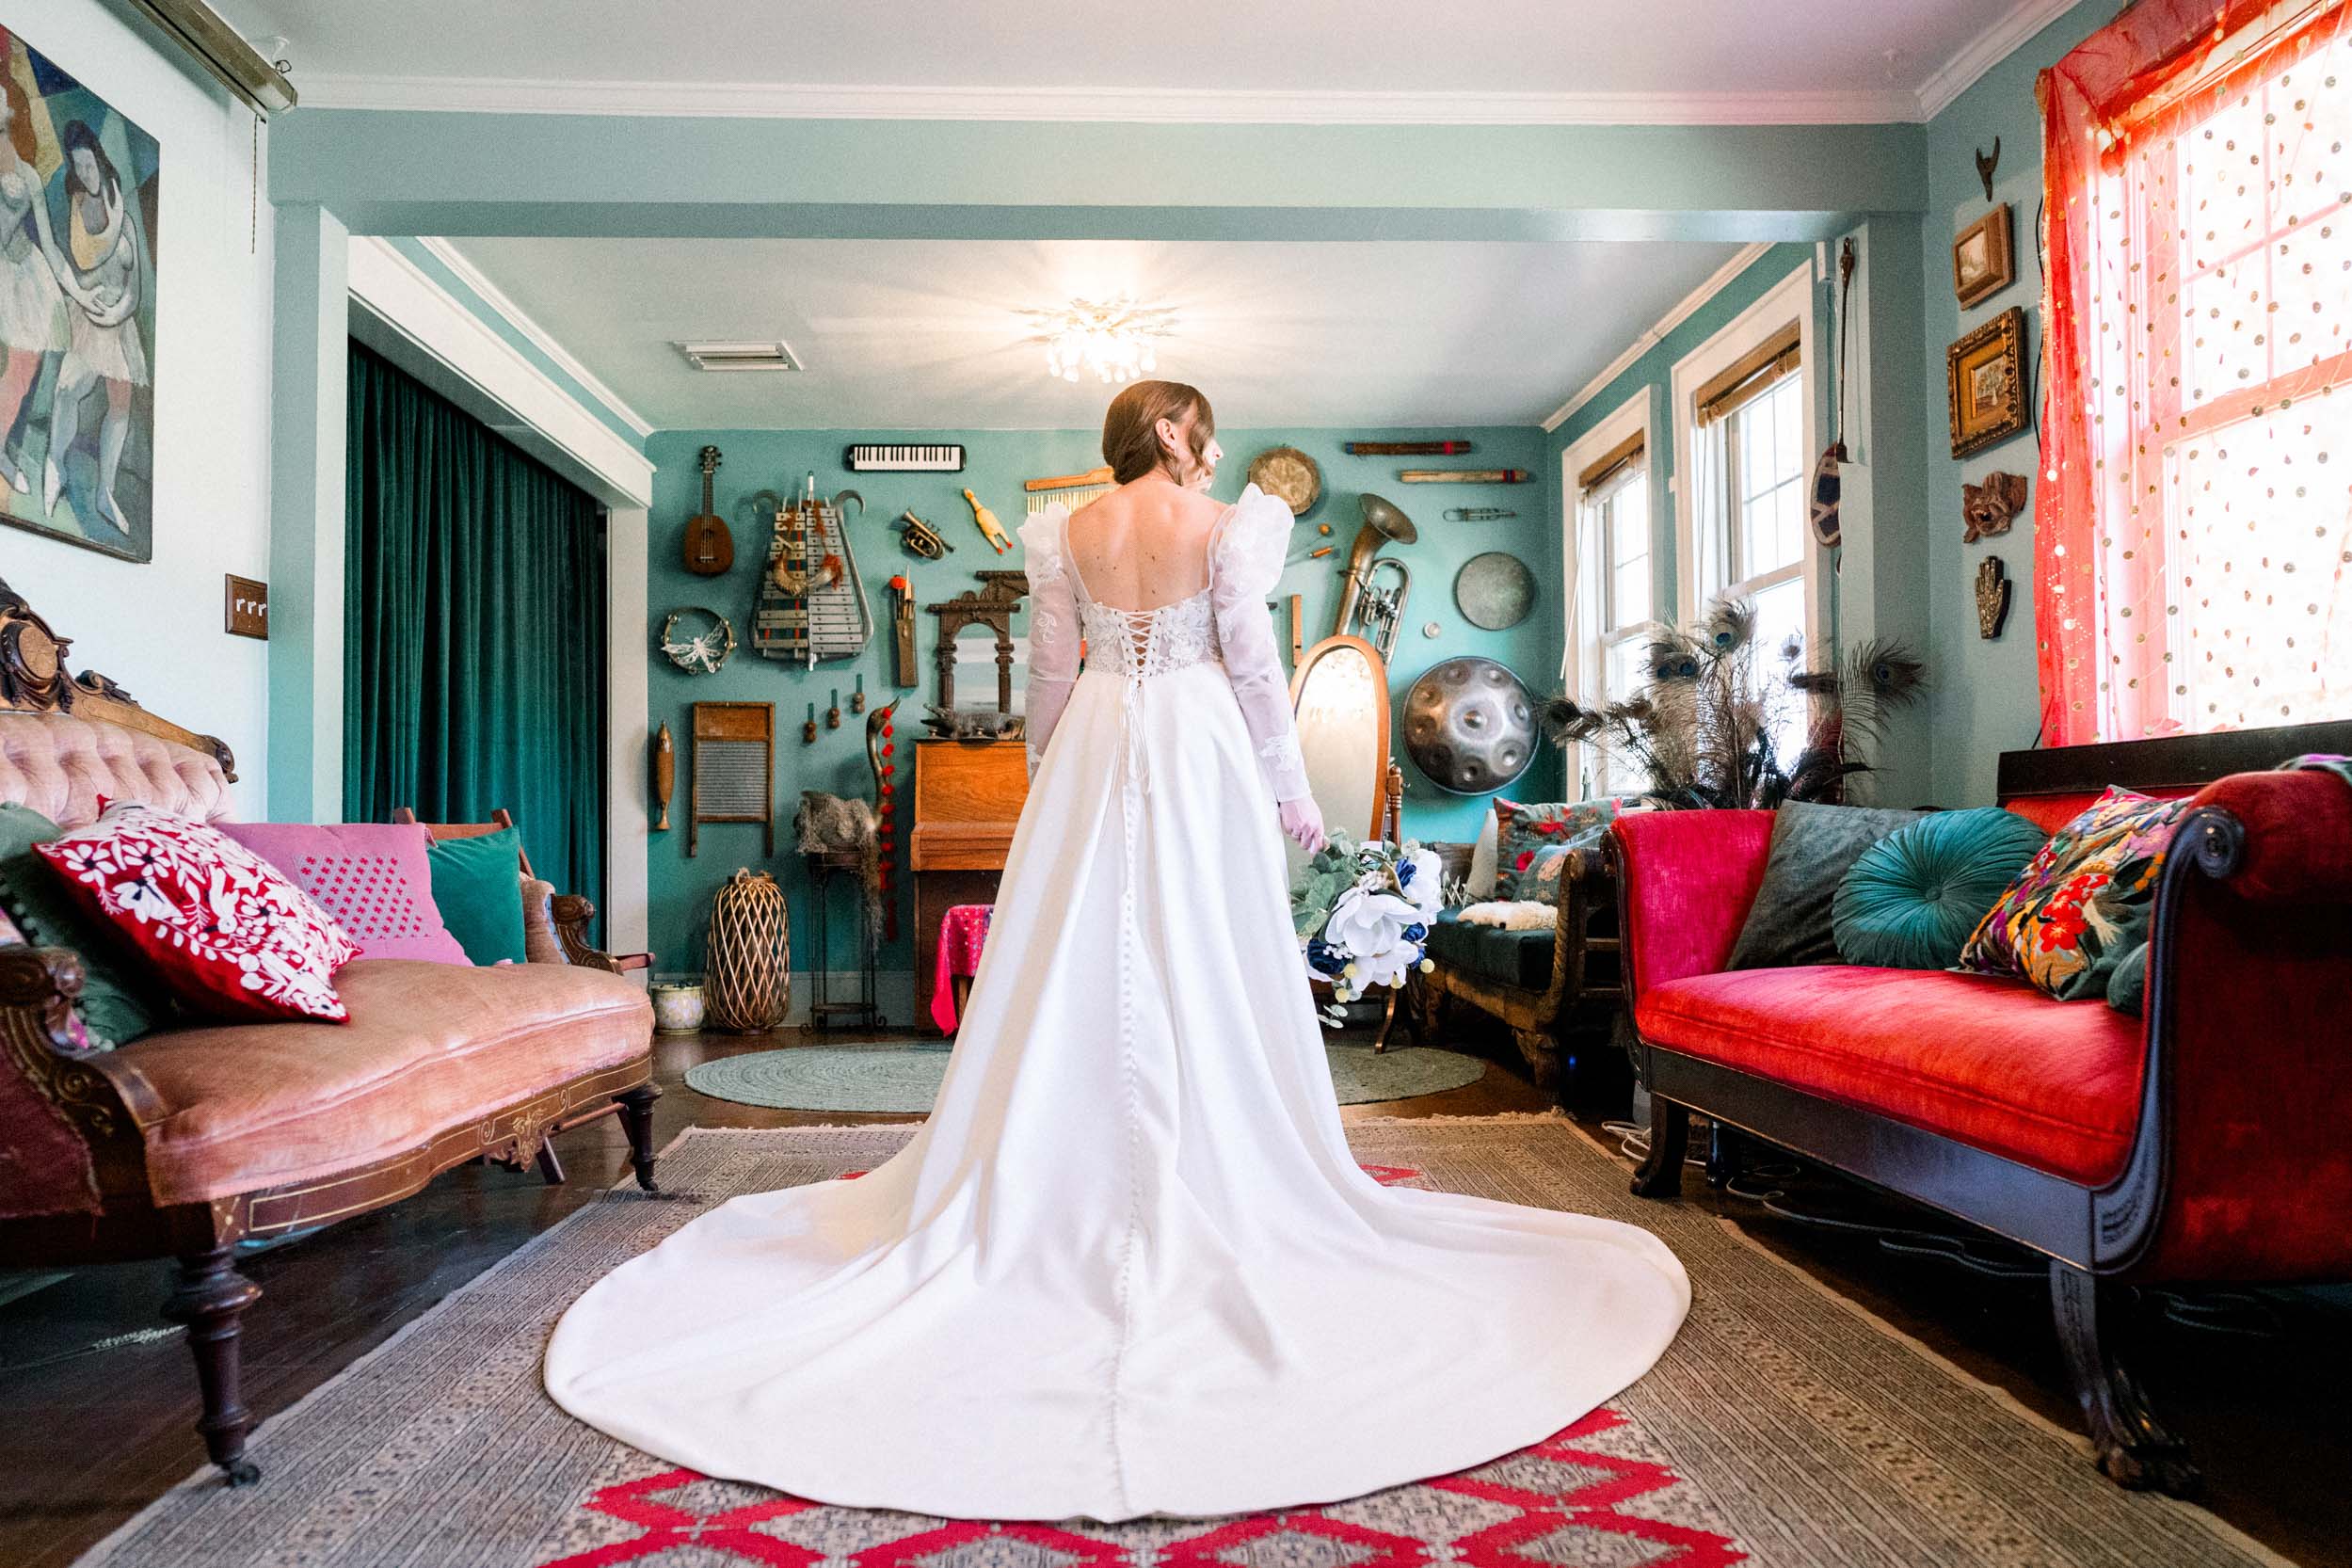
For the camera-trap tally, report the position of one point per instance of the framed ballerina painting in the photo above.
(77, 311)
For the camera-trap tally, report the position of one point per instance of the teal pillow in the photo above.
(477, 886)
(2127, 988)
(1912, 898)
(116, 1007)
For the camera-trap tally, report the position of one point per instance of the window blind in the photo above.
(1750, 377)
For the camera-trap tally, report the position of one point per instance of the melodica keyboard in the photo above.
(904, 459)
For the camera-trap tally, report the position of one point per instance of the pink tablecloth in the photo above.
(962, 930)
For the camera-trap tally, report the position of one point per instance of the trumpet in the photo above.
(1368, 607)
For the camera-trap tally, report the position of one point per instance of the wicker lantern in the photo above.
(749, 987)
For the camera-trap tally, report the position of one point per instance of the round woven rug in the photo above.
(892, 1075)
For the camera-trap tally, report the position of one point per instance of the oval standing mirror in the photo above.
(1340, 695)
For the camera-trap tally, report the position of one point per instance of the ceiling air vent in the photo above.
(772, 355)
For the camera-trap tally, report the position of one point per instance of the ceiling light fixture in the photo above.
(1111, 338)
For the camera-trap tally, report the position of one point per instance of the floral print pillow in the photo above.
(2081, 907)
(1523, 834)
(225, 930)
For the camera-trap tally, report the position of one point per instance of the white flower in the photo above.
(1419, 874)
(1365, 922)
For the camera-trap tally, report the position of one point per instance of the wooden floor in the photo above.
(94, 1435)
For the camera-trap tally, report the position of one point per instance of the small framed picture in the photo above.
(1983, 261)
(1985, 374)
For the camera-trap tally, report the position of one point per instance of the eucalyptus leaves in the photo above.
(1362, 913)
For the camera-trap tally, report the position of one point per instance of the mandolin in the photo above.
(709, 548)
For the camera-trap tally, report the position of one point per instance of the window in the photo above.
(1749, 468)
(1613, 556)
(2194, 525)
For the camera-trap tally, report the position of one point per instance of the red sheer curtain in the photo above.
(2194, 526)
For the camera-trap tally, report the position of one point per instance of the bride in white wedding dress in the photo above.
(1128, 1265)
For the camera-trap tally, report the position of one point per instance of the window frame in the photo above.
(1590, 638)
(1702, 546)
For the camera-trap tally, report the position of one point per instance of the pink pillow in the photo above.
(227, 934)
(373, 877)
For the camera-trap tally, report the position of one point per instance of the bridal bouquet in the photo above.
(1362, 913)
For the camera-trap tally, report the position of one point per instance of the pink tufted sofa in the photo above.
(60, 763)
(188, 1140)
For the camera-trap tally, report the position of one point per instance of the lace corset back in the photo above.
(1148, 641)
(1157, 641)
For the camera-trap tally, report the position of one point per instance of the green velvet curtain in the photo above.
(473, 628)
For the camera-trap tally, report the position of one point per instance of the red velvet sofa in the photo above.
(2202, 1141)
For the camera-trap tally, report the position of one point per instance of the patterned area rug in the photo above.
(1783, 1428)
(904, 1076)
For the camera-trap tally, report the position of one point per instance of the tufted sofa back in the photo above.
(59, 765)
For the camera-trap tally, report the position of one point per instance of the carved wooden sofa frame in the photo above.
(89, 1109)
(1563, 1030)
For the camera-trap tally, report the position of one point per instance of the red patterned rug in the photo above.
(1784, 1427)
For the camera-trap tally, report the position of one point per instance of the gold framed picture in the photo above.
(1983, 260)
(1985, 376)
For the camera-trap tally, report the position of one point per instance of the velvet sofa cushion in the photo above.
(1911, 900)
(374, 878)
(1813, 845)
(477, 887)
(1521, 958)
(1987, 1062)
(119, 1002)
(2084, 902)
(429, 1048)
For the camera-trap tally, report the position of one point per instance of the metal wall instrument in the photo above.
(812, 601)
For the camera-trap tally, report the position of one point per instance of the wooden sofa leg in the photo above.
(210, 1297)
(636, 1119)
(2135, 1450)
(1660, 1175)
(1541, 1052)
(550, 1166)
(1723, 1154)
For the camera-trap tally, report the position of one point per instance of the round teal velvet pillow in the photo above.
(1912, 899)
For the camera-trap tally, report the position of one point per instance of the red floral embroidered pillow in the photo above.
(1529, 841)
(2081, 907)
(225, 930)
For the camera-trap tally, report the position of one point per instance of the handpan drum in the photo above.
(1469, 724)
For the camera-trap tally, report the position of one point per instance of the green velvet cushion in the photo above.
(1521, 958)
(1813, 847)
(1912, 898)
(116, 1006)
(477, 886)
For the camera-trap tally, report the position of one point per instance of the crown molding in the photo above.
(1652, 335)
(1140, 105)
(1986, 50)
(409, 300)
(495, 298)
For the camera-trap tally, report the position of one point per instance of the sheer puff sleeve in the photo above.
(1053, 634)
(1246, 563)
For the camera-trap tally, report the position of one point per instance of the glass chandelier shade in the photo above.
(1111, 338)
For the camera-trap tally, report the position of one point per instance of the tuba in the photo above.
(1368, 608)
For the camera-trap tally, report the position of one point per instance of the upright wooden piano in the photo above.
(967, 798)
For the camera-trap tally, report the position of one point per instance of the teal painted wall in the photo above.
(1986, 699)
(1654, 373)
(998, 463)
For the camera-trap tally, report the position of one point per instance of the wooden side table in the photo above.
(826, 1011)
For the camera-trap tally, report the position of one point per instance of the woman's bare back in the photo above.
(1143, 545)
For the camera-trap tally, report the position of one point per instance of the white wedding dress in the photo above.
(1128, 1265)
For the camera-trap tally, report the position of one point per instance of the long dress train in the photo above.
(1128, 1265)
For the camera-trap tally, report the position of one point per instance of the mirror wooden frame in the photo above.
(1381, 801)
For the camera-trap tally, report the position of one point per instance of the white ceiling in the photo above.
(1623, 61)
(900, 334)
